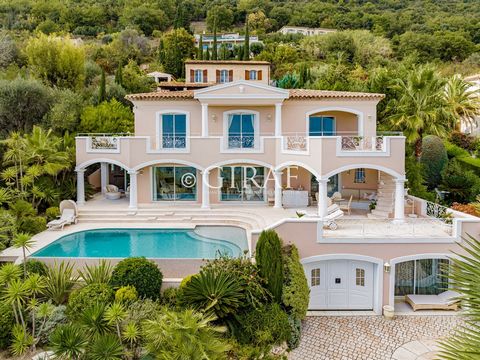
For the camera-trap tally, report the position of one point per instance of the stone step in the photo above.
(381, 213)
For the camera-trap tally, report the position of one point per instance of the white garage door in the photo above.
(340, 284)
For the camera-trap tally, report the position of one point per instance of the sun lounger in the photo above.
(447, 300)
(68, 215)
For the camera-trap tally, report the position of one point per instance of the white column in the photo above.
(204, 120)
(103, 176)
(205, 190)
(278, 119)
(278, 189)
(133, 190)
(80, 186)
(399, 199)
(322, 197)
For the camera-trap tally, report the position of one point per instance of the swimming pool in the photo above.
(203, 242)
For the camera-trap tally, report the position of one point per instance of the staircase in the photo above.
(385, 198)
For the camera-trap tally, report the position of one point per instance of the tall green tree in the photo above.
(246, 47)
(200, 48)
(270, 262)
(25, 242)
(463, 101)
(419, 107)
(215, 45)
(102, 90)
(179, 46)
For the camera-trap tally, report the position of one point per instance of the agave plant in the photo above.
(464, 275)
(69, 342)
(97, 274)
(60, 281)
(105, 347)
(184, 335)
(216, 292)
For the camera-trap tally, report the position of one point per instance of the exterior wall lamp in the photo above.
(386, 267)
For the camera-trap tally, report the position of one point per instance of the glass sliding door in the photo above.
(332, 186)
(422, 277)
(241, 131)
(174, 183)
(174, 131)
(241, 183)
(321, 126)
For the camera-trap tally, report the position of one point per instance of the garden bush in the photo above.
(296, 293)
(6, 325)
(52, 212)
(142, 310)
(269, 261)
(144, 275)
(253, 285)
(36, 267)
(170, 297)
(57, 318)
(434, 160)
(84, 298)
(295, 332)
(462, 185)
(218, 292)
(126, 294)
(267, 325)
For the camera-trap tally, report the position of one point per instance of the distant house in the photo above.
(305, 30)
(466, 126)
(160, 76)
(231, 40)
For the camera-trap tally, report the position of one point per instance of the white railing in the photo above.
(361, 143)
(389, 228)
(434, 210)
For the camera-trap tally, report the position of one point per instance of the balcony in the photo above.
(316, 152)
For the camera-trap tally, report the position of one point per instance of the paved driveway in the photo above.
(368, 337)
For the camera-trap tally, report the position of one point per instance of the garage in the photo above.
(340, 284)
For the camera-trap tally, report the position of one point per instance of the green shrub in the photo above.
(88, 296)
(253, 285)
(454, 151)
(211, 291)
(142, 310)
(52, 212)
(57, 318)
(126, 294)
(270, 263)
(144, 275)
(32, 224)
(471, 163)
(462, 186)
(185, 281)
(170, 297)
(296, 293)
(267, 325)
(36, 267)
(295, 332)
(434, 160)
(6, 325)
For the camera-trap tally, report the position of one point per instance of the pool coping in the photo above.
(47, 237)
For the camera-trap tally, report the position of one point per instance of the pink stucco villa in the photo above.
(230, 148)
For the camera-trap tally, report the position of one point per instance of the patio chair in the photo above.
(68, 215)
(336, 196)
(333, 213)
(348, 206)
(447, 300)
(112, 192)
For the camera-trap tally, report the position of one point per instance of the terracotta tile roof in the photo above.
(160, 95)
(184, 84)
(318, 94)
(227, 62)
(294, 94)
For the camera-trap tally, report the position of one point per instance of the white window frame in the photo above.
(256, 131)
(159, 131)
(224, 76)
(198, 76)
(315, 276)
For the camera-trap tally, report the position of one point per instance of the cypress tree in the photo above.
(270, 262)
(214, 50)
(200, 48)
(102, 92)
(207, 54)
(240, 53)
(119, 75)
(246, 49)
(161, 52)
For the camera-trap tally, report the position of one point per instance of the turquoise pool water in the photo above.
(206, 243)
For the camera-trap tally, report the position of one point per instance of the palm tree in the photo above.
(16, 295)
(420, 107)
(8, 273)
(24, 241)
(115, 314)
(464, 275)
(69, 342)
(184, 335)
(15, 154)
(463, 101)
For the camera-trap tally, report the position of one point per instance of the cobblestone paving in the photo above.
(366, 337)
